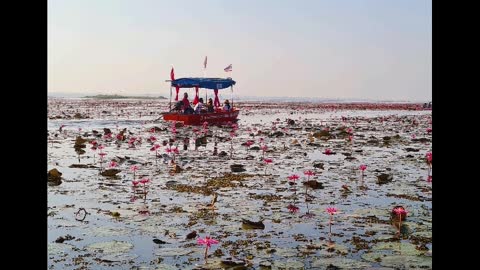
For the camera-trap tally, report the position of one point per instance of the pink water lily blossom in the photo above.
(113, 164)
(331, 210)
(293, 209)
(363, 167)
(328, 151)
(135, 183)
(400, 211)
(144, 181)
(207, 241)
(293, 177)
(309, 173)
(134, 168)
(429, 157)
(268, 160)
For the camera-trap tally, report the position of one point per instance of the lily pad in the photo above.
(289, 264)
(120, 257)
(401, 248)
(170, 252)
(110, 247)
(340, 262)
(410, 262)
(57, 248)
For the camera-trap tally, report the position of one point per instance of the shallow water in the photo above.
(289, 240)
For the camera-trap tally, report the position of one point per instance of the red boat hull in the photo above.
(215, 118)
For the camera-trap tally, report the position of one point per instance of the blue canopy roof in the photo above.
(208, 83)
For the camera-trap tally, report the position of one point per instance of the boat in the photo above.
(218, 117)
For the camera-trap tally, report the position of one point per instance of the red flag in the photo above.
(172, 75)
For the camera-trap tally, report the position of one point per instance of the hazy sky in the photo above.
(375, 49)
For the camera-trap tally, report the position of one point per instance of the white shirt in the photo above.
(198, 107)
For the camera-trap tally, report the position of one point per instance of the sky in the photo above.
(368, 49)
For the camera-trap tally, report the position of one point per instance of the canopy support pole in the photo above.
(170, 98)
(231, 87)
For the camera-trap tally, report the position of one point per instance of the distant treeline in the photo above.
(123, 97)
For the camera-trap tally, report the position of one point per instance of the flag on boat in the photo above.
(205, 63)
(228, 69)
(172, 74)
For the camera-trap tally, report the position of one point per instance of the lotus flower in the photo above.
(293, 177)
(293, 209)
(331, 210)
(207, 242)
(113, 164)
(328, 152)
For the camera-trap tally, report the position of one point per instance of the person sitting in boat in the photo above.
(210, 107)
(226, 105)
(199, 107)
(187, 109)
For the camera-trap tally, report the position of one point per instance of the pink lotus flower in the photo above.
(113, 164)
(144, 181)
(101, 147)
(293, 177)
(207, 242)
(135, 183)
(349, 130)
(264, 148)
(248, 143)
(268, 160)
(232, 134)
(328, 152)
(309, 173)
(429, 179)
(413, 136)
(168, 150)
(331, 210)
(400, 211)
(107, 136)
(152, 130)
(119, 137)
(293, 209)
(175, 150)
(429, 157)
(134, 168)
(102, 154)
(153, 138)
(155, 147)
(363, 167)
(429, 130)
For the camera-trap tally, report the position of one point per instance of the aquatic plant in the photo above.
(133, 169)
(308, 174)
(362, 168)
(207, 242)
(331, 211)
(267, 161)
(429, 161)
(264, 149)
(155, 148)
(400, 213)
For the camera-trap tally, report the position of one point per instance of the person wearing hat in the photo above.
(226, 105)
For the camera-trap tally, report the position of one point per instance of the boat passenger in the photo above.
(226, 105)
(187, 109)
(199, 107)
(210, 107)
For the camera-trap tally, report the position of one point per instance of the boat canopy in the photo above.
(207, 83)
